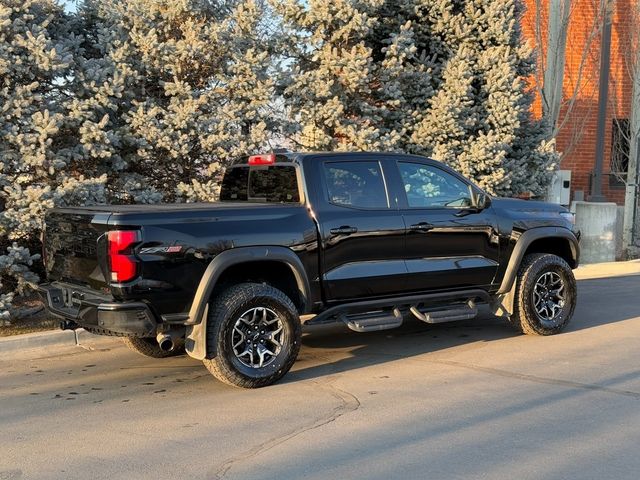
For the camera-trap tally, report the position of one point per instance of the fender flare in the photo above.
(504, 297)
(196, 325)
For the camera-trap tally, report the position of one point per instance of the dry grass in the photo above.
(38, 322)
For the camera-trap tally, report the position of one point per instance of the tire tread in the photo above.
(522, 319)
(220, 308)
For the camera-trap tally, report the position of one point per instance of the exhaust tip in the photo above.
(165, 342)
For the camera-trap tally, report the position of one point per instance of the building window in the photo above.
(620, 135)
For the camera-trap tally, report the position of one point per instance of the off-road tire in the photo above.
(224, 310)
(524, 318)
(149, 347)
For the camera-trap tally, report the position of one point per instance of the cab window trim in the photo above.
(325, 185)
(453, 173)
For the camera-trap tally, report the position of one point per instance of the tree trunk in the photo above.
(559, 15)
(631, 239)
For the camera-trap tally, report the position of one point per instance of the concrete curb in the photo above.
(9, 346)
(37, 340)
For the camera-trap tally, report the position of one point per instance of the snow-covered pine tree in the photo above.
(168, 92)
(442, 78)
(352, 73)
(480, 119)
(36, 169)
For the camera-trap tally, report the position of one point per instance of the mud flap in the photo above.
(196, 338)
(502, 303)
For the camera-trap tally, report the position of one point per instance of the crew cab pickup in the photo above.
(368, 239)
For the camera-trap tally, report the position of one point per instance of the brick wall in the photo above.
(578, 119)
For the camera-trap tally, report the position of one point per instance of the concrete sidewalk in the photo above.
(608, 269)
(56, 339)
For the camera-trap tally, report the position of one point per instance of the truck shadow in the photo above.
(332, 349)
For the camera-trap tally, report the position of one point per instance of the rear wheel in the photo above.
(546, 295)
(253, 335)
(149, 347)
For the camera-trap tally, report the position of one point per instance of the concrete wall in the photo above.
(600, 225)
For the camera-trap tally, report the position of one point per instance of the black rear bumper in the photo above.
(96, 313)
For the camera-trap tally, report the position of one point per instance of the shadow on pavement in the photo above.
(334, 348)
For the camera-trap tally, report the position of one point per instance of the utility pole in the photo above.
(603, 96)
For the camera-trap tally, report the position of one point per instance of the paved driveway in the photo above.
(465, 400)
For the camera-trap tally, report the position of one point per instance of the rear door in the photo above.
(448, 245)
(361, 230)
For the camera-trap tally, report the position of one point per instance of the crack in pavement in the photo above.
(348, 403)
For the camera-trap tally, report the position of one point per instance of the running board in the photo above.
(334, 313)
(447, 315)
(372, 321)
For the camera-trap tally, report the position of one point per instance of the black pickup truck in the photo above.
(368, 239)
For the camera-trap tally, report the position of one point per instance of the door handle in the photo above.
(421, 227)
(343, 230)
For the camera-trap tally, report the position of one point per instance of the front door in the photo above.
(448, 244)
(361, 230)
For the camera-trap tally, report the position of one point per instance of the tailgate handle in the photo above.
(421, 227)
(343, 230)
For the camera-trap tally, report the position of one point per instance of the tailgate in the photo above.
(71, 250)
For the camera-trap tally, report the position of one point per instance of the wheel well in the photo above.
(555, 245)
(277, 274)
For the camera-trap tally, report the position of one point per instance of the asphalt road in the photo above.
(467, 400)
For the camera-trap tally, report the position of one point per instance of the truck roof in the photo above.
(295, 157)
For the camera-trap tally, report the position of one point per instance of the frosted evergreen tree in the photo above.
(36, 168)
(351, 78)
(125, 101)
(480, 121)
(445, 78)
(168, 92)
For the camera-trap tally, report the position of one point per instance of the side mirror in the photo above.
(479, 200)
(482, 200)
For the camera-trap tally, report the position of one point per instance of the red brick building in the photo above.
(578, 119)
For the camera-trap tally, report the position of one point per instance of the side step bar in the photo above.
(334, 313)
(446, 315)
(372, 321)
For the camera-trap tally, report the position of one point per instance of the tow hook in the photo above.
(68, 325)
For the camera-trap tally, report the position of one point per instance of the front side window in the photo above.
(356, 184)
(427, 186)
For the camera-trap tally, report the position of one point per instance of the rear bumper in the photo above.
(97, 313)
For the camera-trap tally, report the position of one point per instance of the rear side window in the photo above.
(356, 184)
(260, 184)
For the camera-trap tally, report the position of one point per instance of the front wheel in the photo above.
(546, 295)
(253, 335)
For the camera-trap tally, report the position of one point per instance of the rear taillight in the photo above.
(122, 264)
